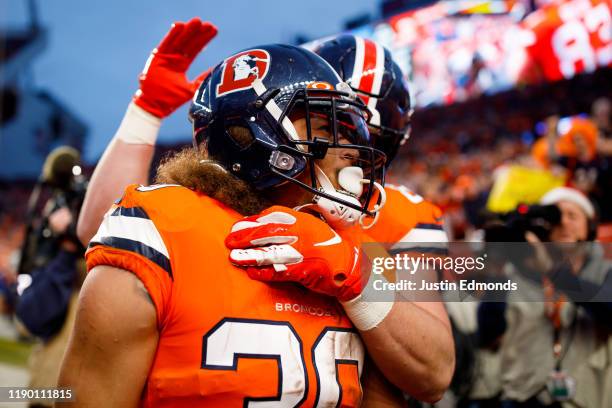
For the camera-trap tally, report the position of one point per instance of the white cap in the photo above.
(569, 194)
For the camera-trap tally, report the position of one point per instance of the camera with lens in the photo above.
(63, 183)
(512, 226)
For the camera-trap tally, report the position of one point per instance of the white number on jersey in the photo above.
(232, 339)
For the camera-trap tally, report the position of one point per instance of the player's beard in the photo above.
(191, 168)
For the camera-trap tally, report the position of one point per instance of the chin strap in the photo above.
(339, 215)
(377, 207)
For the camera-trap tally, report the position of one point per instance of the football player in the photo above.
(136, 138)
(371, 72)
(407, 220)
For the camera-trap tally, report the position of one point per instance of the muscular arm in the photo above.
(413, 347)
(164, 87)
(121, 164)
(113, 342)
(378, 392)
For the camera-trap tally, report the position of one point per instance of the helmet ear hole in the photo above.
(241, 135)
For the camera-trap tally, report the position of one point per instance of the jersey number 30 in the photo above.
(232, 339)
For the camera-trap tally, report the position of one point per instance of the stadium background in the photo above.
(68, 70)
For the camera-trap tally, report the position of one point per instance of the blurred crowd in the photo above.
(454, 152)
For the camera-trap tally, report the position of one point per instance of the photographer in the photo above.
(42, 305)
(51, 268)
(555, 332)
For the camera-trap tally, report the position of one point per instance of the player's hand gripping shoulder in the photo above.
(281, 244)
(164, 85)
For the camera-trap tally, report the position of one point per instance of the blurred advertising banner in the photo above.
(567, 38)
(455, 50)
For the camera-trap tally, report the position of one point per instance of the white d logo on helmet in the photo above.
(240, 70)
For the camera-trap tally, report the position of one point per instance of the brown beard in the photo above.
(193, 169)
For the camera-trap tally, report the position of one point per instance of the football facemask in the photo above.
(330, 131)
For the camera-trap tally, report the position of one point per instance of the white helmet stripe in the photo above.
(379, 72)
(275, 111)
(358, 65)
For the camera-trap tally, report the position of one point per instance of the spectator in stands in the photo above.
(554, 347)
(601, 112)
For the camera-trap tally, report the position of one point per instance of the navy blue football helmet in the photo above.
(371, 72)
(244, 110)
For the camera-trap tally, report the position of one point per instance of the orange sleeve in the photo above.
(153, 277)
(129, 239)
(409, 217)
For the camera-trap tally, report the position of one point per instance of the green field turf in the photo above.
(13, 352)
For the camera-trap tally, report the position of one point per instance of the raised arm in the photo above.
(113, 342)
(164, 87)
(113, 172)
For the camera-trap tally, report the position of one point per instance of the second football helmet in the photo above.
(371, 72)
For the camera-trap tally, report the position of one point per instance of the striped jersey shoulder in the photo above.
(405, 200)
(426, 232)
(131, 229)
(136, 221)
(423, 238)
(148, 221)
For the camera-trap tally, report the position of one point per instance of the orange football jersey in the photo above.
(225, 340)
(408, 222)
